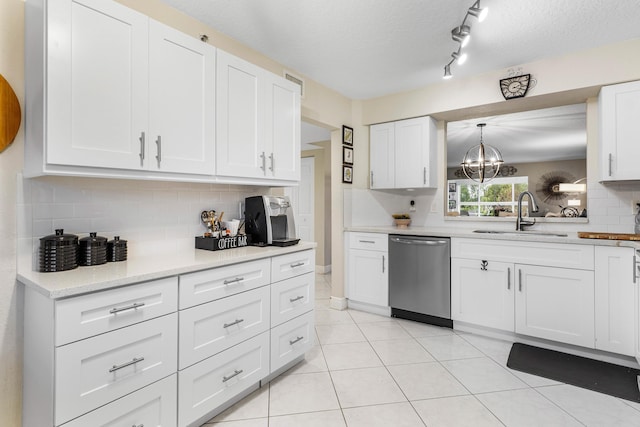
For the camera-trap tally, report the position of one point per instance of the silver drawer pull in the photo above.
(236, 280)
(297, 264)
(366, 241)
(236, 372)
(298, 298)
(138, 425)
(292, 342)
(226, 325)
(124, 365)
(133, 306)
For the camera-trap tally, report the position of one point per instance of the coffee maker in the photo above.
(269, 221)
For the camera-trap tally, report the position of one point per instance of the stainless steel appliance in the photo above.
(269, 220)
(420, 278)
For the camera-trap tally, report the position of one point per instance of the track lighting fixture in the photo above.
(462, 33)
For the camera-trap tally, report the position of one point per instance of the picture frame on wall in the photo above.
(347, 174)
(452, 205)
(347, 155)
(347, 135)
(452, 187)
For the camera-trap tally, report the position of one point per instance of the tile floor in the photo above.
(369, 371)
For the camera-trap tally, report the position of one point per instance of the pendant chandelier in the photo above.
(482, 162)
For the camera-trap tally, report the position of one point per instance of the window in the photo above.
(488, 199)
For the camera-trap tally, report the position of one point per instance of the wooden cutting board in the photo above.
(9, 114)
(608, 236)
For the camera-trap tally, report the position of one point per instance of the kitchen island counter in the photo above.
(140, 269)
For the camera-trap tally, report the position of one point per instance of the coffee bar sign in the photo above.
(221, 243)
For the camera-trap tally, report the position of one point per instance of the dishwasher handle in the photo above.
(419, 242)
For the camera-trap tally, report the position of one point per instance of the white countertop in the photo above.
(523, 236)
(113, 274)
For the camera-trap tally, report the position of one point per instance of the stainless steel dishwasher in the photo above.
(420, 278)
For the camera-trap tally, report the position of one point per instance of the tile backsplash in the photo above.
(152, 216)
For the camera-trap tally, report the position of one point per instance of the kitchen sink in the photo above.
(521, 233)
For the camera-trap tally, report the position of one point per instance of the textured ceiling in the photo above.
(369, 48)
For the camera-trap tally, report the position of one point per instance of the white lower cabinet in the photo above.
(555, 304)
(153, 406)
(482, 293)
(95, 371)
(367, 268)
(291, 340)
(616, 296)
(206, 385)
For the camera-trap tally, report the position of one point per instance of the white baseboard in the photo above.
(323, 269)
(338, 303)
(370, 308)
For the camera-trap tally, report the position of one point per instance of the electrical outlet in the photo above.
(412, 206)
(434, 206)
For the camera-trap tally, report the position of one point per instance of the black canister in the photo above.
(116, 250)
(92, 250)
(58, 252)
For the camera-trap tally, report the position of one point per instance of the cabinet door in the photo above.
(619, 148)
(382, 155)
(415, 154)
(482, 293)
(181, 134)
(368, 277)
(556, 304)
(97, 86)
(240, 138)
(282, 128)
(615, 301)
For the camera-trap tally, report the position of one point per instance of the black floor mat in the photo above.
(603, 377)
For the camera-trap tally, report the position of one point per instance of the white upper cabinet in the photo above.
(95, 86)
(619, 143)
(113, 93)
(258, 122)
(182, 102)
(403, 154)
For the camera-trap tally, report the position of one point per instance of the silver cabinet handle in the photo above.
(159, 155)
(124, 365)
(484, 264)
(236, 280)
(235, 322)
(133, 306)
(418, 242)
(298, 298)
(292, 342)
(297, 264)
(610, 161)
(425, 175)
(236, 372)
(520, 280)
(141, 139)
(138, 425)
(383, 263)
(367, 241)
(372, 178)
(634, 269)
(264, 164)
(509, 278)
(272, 163)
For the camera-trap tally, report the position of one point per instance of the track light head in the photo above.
(460, 58)
(447, 72)
(477, 12)
(461, 34)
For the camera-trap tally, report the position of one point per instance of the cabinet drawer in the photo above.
(206, 385)
(154, 405)
(369, 241)
(292, 297)
(213, 327)
(97, 370)
(210, 285)
(291, 339)
(563, 255)
(93, 314)
(291, 265)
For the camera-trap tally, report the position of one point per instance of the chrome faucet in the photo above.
(520, 223)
